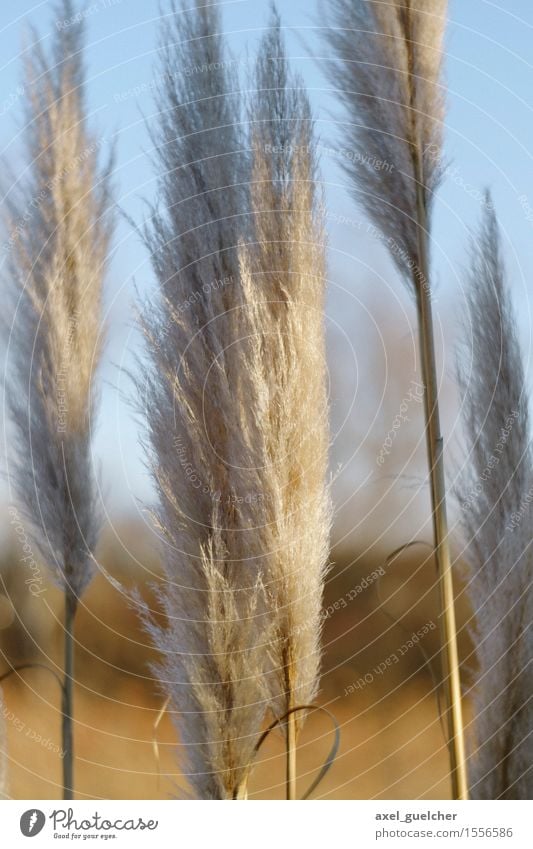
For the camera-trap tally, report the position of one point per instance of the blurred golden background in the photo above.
(392, 743)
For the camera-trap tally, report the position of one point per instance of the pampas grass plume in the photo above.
(235, 375)
(497, 520)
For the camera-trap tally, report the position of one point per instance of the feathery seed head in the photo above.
(386, 67)
(60, 242)
(497, 518)
(235, 402)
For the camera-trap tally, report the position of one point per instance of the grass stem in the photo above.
(450, 658)
(68, 696)
(291, 757)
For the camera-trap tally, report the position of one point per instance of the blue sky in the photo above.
(489, 142)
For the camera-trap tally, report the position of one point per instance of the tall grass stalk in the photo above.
(60, 234)
(386, 66)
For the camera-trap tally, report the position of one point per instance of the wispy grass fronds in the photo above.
(235, 402)
(215, 643)
(214, 651)
(497, 515)
(60, 241)
(60, 231)
(199, 144)
(386, 67)
(284, 280)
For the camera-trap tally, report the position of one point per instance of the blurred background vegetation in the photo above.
(392, 741)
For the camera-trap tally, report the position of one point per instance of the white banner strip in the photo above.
(266, 825)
